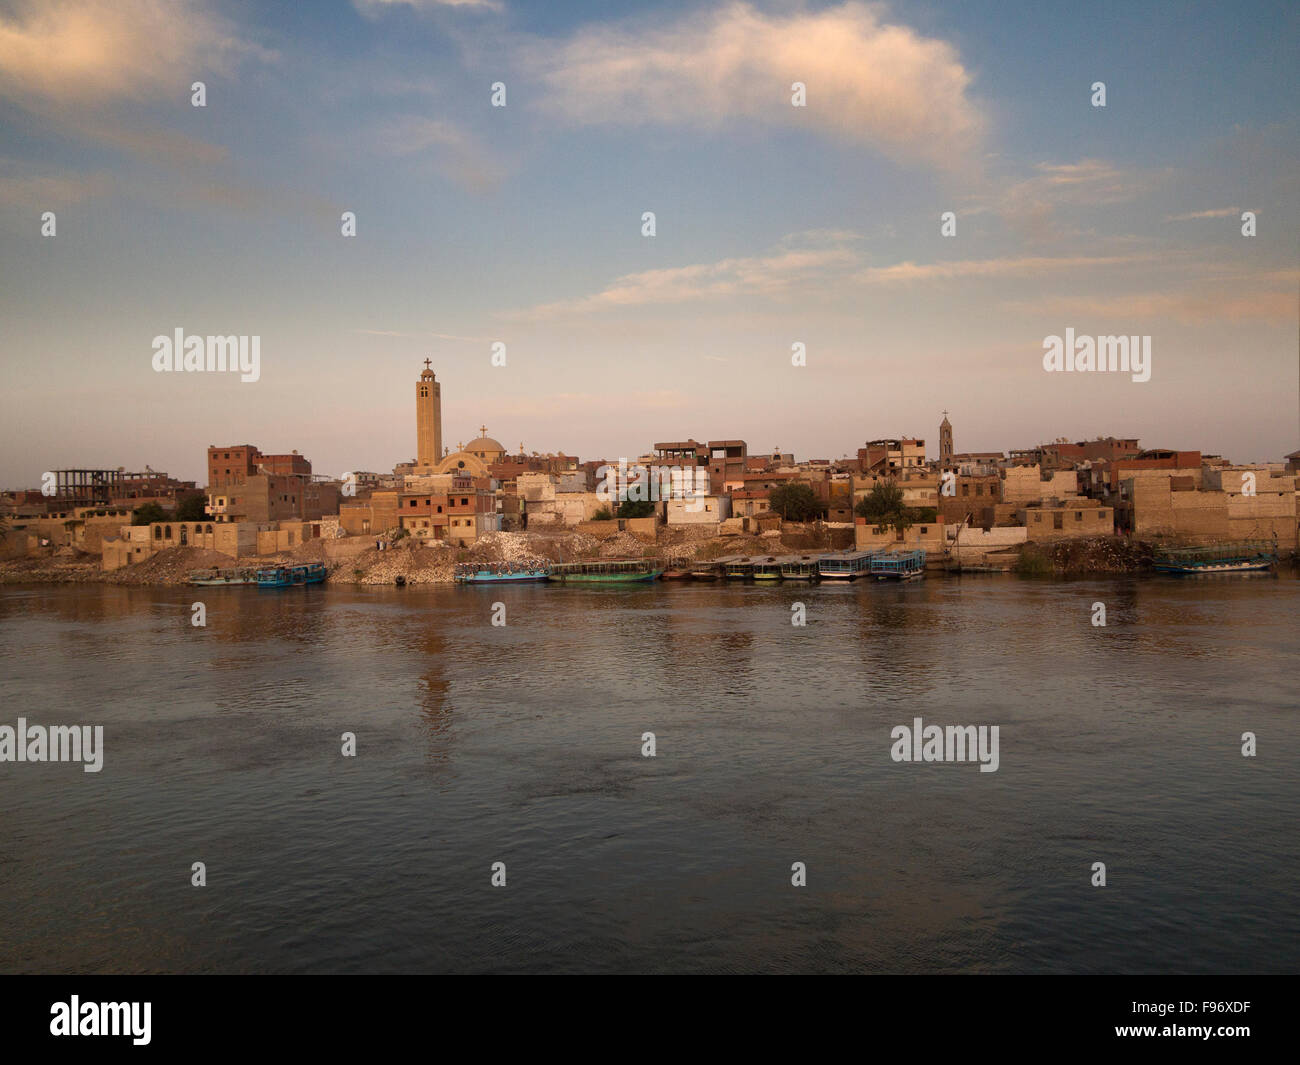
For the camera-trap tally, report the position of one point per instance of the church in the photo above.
(468, 460)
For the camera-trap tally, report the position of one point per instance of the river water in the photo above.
(522, 743)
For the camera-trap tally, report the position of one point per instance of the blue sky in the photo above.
(522, 224)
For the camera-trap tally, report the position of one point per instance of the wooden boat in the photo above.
(799, 568)
(677, 569)
(844, 565)
(216, 577)
(767, 569)
(707, 571)
(607, 571)
(500, 572)
(290, 576)
(899, 566)
(1244, 557)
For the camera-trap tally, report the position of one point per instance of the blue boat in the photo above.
(291, 576)
(500, 572)
(903, 566)
(844, 565)
(1223, 558)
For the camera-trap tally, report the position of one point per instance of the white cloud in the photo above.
(867, 81)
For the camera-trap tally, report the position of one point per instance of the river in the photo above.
(522, 743)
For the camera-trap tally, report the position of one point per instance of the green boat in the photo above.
(607, 571)
(738, 568)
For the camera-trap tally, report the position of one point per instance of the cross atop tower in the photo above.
(482, 430)
(427, 363)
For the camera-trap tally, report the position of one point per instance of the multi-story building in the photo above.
(888, 458)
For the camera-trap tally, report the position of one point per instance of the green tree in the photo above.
(602, 514)
(191, 509)
(884, 507)
(882, 504)
(636, 508)
(147, 513)
(795, 501)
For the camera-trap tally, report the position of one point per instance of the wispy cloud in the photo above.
(420, 336)
(766, 275)
(1217, 212)
(449, 149)
(1193, 306)
(373, 8)
(867, 81)
(1033, 204)
(46, 191)
(1014, 267)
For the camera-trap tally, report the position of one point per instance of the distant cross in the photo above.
(427, 362)
(945, 414)
(482, 430)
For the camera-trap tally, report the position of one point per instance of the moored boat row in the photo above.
(840, 565)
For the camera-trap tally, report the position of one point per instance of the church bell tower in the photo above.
(428, 418)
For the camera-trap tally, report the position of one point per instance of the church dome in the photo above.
(484, 443)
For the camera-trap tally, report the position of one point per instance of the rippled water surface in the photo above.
(522, 744)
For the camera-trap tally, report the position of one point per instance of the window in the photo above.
(464, 502)
(1058, 521)
(1078, 515)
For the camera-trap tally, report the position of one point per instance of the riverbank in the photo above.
(419, 562)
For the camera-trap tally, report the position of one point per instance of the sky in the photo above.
(775, 225)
